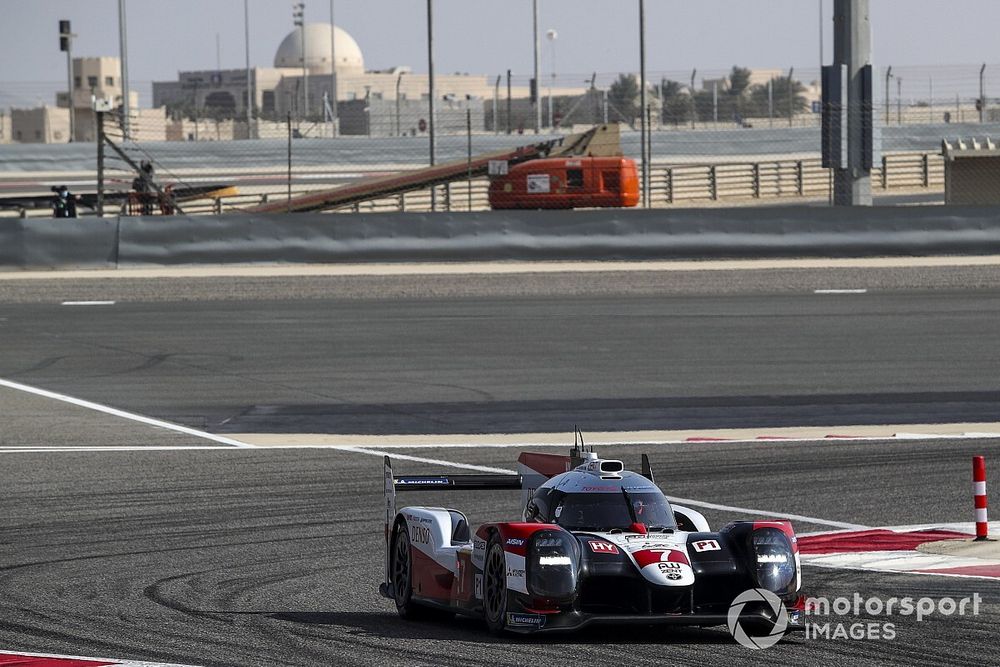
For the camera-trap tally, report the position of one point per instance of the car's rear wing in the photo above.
(462, 482)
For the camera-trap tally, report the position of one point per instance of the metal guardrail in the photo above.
(672, 185)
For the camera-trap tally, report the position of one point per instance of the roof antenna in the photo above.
(576, 454)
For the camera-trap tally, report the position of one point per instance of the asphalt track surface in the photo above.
(272, 556)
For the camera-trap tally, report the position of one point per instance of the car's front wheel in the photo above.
(495, 586)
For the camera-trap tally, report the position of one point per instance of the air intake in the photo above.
(612, 466)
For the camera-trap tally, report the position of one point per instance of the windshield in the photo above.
(610, 511)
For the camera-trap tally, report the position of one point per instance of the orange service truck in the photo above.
(567, 182)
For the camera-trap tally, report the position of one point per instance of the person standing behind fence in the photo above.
(143, 186)
(63, 203)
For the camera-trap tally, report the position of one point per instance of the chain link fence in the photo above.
(733, 137)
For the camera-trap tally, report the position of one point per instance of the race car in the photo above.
(596, 544)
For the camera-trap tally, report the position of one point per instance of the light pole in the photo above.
(791, 96)
(821, 37)
(246, 37)
(982, 94)
(694, 108)
(551, 35)
(333, 71)
(123, 55)
(642, 103)
(770, 102)
(536, 97)
(496, 95)
(66, 44)
(888, 76)
(430, 91)
(299, 19)
(399, 79)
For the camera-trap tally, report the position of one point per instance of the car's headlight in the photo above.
(774, 559)
(552, 564)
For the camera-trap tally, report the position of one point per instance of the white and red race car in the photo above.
(596, 544)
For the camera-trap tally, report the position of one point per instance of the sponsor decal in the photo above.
(664, 567)
(420, 534)
(440, 481)
(534, 620)
(599, 547)
(706, 545)
(479, 587)
(538, 183)
(772, 558)
(516, 574)
(673, 576)
(515, 542)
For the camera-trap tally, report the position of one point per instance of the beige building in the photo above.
(41, 125)
(5, 128)
(305, 69)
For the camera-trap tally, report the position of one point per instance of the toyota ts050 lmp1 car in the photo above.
(596, 544)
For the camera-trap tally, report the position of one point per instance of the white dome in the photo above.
(349, 58)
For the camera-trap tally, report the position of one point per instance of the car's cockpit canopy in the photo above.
(587, 500)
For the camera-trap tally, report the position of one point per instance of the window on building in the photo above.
(92, 81)
(109, 81)
(76, 82)
(574, 178)
(38, 134)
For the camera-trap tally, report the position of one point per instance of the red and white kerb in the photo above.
(979, 491)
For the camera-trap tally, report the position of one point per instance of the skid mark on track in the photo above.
(115, 412)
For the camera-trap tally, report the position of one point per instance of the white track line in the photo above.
(126, 448)
(420, 459)
(840, 291)
(97, 407)
(779, 515)
(416, 459)
(683, 501)
(88, 303)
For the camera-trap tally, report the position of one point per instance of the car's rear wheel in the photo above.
(401, 567)
(495, 586)
(401, 570)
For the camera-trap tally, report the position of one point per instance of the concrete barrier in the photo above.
(88, 243)
(497, 235)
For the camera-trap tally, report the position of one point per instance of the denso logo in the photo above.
(515, 542)
(420, 534)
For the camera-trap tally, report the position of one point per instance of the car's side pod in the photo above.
(393, 483)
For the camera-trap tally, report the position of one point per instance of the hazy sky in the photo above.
(488, 36)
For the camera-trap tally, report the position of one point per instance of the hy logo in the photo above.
(778, 619)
